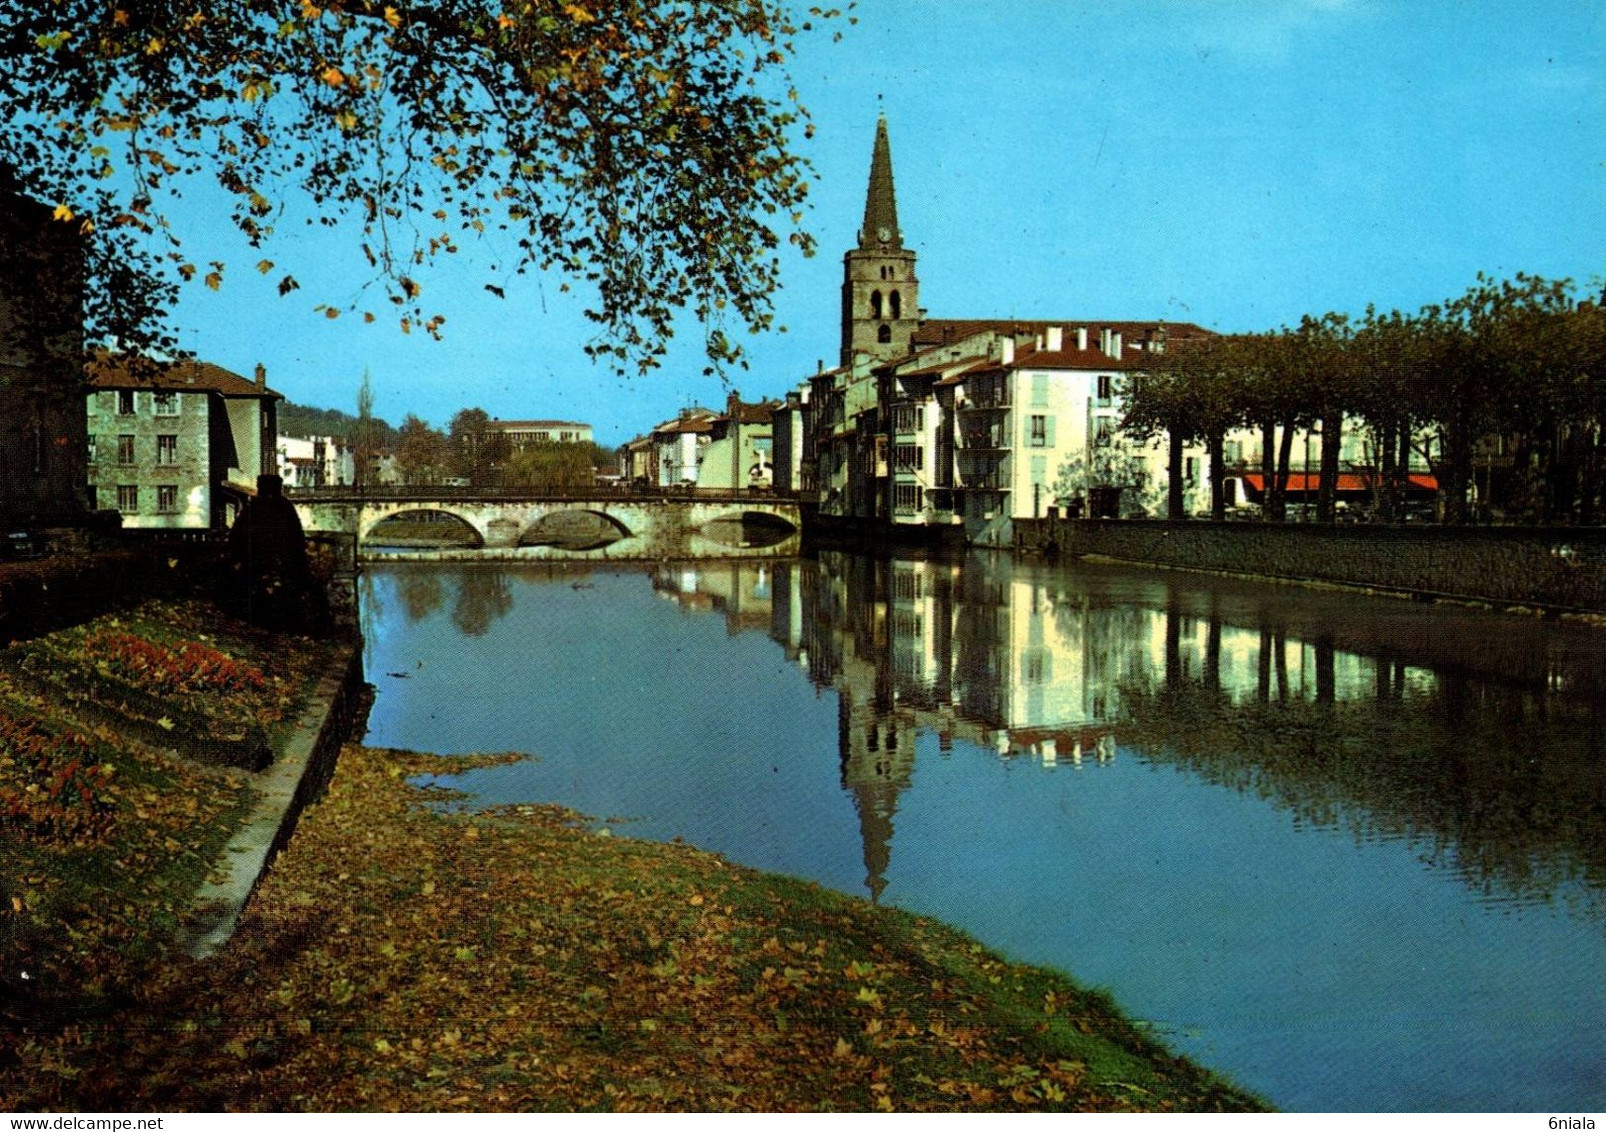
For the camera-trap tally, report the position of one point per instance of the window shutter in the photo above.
(1048, 436)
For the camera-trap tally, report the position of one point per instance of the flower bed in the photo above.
(175, 675)
(51, 785)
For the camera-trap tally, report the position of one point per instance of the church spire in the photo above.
(880, 228)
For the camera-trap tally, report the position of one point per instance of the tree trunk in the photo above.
(1386, 494)
(1285, 452)
(1218, 490)
(1332, 439)
(1458, 471)
(1271, 497)
(1174, 510)
(1590, 477)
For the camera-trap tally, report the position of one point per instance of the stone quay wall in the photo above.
(1560, 569)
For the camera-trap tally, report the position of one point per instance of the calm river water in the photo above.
(1350, 852)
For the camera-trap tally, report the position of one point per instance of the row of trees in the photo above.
(471, 449)
(1508, 378)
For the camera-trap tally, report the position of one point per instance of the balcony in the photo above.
(981, 440)
(985, 481)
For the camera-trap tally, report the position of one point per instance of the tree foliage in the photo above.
(1507, 377)
(552, 464)
(475, 449)
(421, 451)
(643, 147)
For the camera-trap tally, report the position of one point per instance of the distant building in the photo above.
(316, 461)
(523, 433)
(741, 447)
(43, 446)
(179, 446)
(786, 427)
(638, 461)
(679, 446)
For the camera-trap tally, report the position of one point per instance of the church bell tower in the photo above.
(880, 294)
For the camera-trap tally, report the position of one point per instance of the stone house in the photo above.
(42, 432)
(177, 446)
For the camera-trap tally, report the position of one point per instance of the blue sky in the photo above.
(1235, 163)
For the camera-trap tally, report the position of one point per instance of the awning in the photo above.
(1347, 483)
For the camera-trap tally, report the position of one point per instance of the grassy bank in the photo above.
(404, 953)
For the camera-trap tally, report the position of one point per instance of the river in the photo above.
(1349, 851)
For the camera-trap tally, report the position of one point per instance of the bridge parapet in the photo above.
(623, 526)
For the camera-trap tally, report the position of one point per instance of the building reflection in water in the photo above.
(1457, 730)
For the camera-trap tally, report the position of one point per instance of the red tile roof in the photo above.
(1072, 358)
(983, 365)
(117, 372)
(937, 331)
(760, 413)
(505, 425)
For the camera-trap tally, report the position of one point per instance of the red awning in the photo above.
(1347, 483)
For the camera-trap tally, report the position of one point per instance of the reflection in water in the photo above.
(422, 593)
(483, 597)
(1349, 851)
(1392, 731)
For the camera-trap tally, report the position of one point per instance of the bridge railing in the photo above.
(440, 493)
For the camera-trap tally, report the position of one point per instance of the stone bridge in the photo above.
(593, 526)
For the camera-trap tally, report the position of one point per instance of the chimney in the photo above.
(1056, 338)
(1008, 357)
(1104, 339)
(1115, 344)
(262, 377)
(1081, 337)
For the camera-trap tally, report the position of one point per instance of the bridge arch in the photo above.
(748, 529)
(576, 529)
(418, 524)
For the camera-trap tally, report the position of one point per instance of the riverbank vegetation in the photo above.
(1502, 390)
(407, 952)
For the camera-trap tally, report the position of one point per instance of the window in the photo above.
(897, 305)
(167, 498)
(1190, 469)
(1039, 431)
(165, 404)
(128, 498)
(125, 402)
(875, 304)
(1106, 387)
(91, 450)
(94, 504)
(884, 335)
(125, 448)
(910, 457)
(167, 449)
(1103, 430)
(906, 497)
